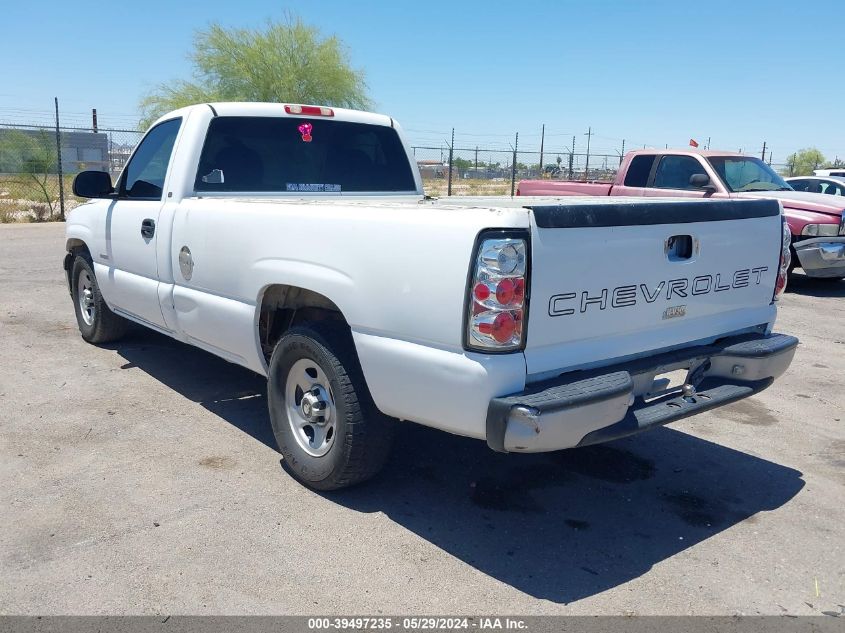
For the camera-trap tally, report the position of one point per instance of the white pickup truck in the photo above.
(296, 241)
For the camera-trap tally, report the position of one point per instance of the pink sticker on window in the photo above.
(305, 130)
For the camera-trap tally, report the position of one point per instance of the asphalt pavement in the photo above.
(142, 477)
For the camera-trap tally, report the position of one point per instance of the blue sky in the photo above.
(653, 73)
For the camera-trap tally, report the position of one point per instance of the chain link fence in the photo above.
(477, 171)
(38, 164)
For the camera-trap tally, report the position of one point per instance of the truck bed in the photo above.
(563, 188)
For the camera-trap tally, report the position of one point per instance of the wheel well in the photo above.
(283, 306)
(74, 247)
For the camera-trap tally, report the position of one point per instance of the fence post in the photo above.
(451, 155)
(513, 164)
(59, 163)
(542, 138)
(587, 164)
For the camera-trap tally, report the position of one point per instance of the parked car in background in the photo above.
(840, 171)
(815, 220)
(830, 185)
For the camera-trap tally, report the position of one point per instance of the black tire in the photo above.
(101, 325)
(362, 435)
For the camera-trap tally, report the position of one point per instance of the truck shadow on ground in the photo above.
(234, 393)
(802, 285)
(560, 526)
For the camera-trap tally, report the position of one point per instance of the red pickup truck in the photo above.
(816, 221)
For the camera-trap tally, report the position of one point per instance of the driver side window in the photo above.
(674, 172)
(144, 176)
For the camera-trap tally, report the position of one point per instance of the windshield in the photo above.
(743, 173)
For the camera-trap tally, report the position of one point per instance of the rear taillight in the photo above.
(498, 293)
(785, 261)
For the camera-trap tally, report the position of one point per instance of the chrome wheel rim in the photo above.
(310, 407)
(85, 297)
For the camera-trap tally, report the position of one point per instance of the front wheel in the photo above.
(97, 323)
(328, 429)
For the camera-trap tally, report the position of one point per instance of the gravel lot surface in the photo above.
(142, 477)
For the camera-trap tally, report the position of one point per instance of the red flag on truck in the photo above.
(693, 142)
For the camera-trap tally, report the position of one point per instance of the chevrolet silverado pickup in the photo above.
(296, 241)
(816, 221)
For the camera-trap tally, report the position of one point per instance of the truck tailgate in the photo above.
(618, 278)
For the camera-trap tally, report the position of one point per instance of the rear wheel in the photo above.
(328, 429)
(97, 323)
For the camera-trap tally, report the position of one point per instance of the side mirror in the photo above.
(699, 180)
(92, 184)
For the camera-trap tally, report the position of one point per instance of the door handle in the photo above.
(148, 228)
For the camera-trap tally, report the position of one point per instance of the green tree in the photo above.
(461, 164)
(285, 60)
(804, 161)
(32, 158)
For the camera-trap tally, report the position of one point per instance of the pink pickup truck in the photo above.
(816, 221)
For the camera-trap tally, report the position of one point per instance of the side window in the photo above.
(799, 185)
(144, 175)
(833, 189)
(639, 170)
(674, 172)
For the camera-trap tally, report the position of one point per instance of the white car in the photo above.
(296, 241)
(836, 171)
(831, 185)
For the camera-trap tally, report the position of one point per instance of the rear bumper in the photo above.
(588, 408)
(822, 256)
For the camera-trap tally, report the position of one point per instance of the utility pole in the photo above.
(94, 120)
(764, 151)
(622, 153)
(542, 138)
(589, 135)
(571, 155)
(513, 164)
(59, 163)
(708, 143)
(451, 156)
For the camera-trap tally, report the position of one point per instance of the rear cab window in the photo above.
(301, 155)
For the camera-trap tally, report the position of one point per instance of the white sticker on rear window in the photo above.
(303, 187)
